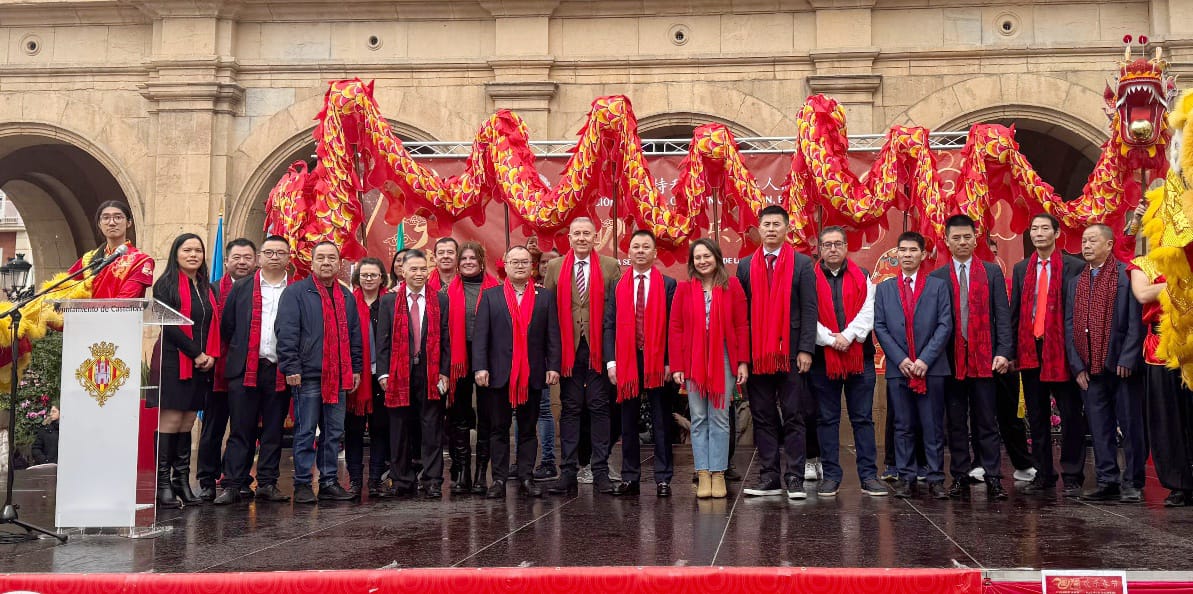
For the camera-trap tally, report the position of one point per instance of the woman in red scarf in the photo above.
(366, 405)
(188, 358)
(131, 274)
(709, 338)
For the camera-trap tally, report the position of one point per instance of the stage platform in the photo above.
(849, 530)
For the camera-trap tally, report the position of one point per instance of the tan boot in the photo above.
(718, 485)
(703, 484)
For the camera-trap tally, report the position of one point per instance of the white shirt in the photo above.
(645, 293)
(422, 311)
(270, 295)
(957, 264)
(585, 271)
(856, 329)
(914, 277)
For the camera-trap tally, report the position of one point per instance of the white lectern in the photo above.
(103, 357)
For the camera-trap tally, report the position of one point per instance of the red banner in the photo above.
(875, 253)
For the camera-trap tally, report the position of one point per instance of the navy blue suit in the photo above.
(1110, 401)
(979, 395)
(932, 325)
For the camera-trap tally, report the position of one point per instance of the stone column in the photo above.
(193, 97)
(522, 60)
(844, 60)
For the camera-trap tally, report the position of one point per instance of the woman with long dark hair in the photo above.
(710, 338)
(131, 274)
(188, 360)
(366, 406)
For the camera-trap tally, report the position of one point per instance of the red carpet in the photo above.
(573, 580)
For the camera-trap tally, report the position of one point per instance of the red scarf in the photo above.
(361, 402)
(770, 312)
(654, 324)
(1093, 313)
(225, 287)
(397, 393)
(254, 350)
(854, 288)
(456, 317)
(520, 316)
(1052, 368)
(704, 345)
(974, 357)
(186, 366)
(918, 385)
(435, 284)
(337, 369)
(596, 311)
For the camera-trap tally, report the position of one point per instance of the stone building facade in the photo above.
(186, 107)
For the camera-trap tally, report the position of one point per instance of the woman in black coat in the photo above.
(188, 361)
(45, 444)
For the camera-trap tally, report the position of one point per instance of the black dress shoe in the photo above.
(433, 491)
(732, 475)
(936, 490)
(626, 488)
(228, 497)
(994, 490)
(1177, 499)
(564, 487)
(304, 494)
(375, 490)
(1130, 495)
(663, 490)
(905, 489)
(530, 489)
(496, 490)
(602, 484)
(958, 490)
(247, 492)
(354, 488)
(1072, 489)
(1107, 492)
(271, 493)
(206, 493)
(1039, 487)
(460, 488)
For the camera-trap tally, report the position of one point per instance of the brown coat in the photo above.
(611, 272)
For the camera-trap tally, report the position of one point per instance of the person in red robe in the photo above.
(130, 275)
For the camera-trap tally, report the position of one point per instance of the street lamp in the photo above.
(14, 277)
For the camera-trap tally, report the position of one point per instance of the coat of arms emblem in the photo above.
(103, 373)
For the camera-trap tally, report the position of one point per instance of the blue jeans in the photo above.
(310, 412)
(547, 429)
(859, 398)
(710, 427)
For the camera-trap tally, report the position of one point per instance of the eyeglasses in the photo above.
(112, 218)
(517, 263)
(275, 253)
(833, 245)
(369, 276)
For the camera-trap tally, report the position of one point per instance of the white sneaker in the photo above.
(1025, 476)
(614, 475)
(813, 471)
(978, 474)
(585, 475)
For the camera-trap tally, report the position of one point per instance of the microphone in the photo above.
(120, 251)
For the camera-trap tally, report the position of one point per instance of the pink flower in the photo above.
(1055, 420)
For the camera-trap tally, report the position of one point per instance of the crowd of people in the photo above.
(420, 355)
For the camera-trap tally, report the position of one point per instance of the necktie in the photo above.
(640, 312)
(581, 278)
(770, 266)
(1041, 300)
(416, 324)
(963, 280)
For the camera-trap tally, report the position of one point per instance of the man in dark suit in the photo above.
(416, 399)
(636, 355)
(1038, 311)
(580, 280)
(1104, 337)
(781, 290)
(251, 368)
(980, 346)
(913, 321)
(516, 352)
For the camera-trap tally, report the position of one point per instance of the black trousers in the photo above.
(587, 390)
(503, 415)
(888, 441)
(377, 425)
(780, 404)
(211, 439)
(1169, 412)
(461, 418)
(1037, 396)
(426, 415)
(965, 398)
(247, 405)
(1011, 428)
(1114, 403)
(660, 421)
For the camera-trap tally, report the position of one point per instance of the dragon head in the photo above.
(1140, 98)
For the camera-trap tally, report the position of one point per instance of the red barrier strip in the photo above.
(575, 580)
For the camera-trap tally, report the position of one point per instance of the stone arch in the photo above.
(689, 119)
(56, 178)
(276, 143)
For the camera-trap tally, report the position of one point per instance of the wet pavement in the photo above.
(849, 530)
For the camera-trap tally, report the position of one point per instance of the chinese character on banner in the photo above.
(1084, 582)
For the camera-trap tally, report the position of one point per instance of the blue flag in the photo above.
(217, 254)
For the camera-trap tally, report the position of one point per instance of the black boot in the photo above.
(463, 484)
(165, 453)
(181, 462)
(480, 479)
